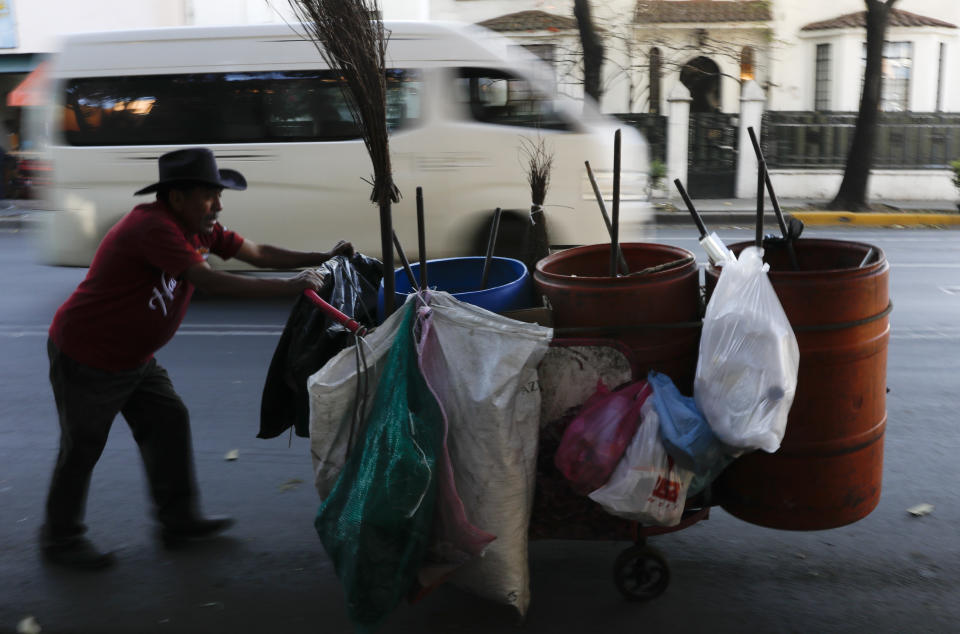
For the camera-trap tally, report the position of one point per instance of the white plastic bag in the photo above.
(482, 367)
(747, 368)
(647, 486)
(333, 392)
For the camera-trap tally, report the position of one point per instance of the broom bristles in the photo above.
(539, 163)
(352, 41)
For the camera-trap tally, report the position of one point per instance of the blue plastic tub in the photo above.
(509, 286)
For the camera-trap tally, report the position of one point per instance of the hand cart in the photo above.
(568, 376)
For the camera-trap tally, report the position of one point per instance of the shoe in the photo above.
(78, 553)
(195, 528)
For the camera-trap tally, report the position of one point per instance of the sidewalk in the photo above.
(18, 215)
(742, 211)
(21, 214)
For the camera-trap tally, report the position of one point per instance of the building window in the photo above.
(897, 64)
(747, 72)
(822, 78)
(655, 62)
(546, 52)
(940, 70)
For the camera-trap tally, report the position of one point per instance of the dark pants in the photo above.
(88, 400)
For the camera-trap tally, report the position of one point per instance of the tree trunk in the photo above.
(852, 195)
(592, 50)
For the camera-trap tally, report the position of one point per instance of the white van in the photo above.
(460, 102)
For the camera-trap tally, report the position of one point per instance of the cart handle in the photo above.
(350, 323)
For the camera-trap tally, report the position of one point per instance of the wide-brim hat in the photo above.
(194, 165)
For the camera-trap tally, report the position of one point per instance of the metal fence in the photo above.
(653, 127)
(905, 140)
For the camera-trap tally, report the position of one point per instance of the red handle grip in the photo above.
(349, 322)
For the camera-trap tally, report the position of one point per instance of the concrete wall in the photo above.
(884, 184)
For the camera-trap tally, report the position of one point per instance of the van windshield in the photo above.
(496, 96)
(235, 107)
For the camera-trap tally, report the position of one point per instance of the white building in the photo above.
(805, 55)
(711, 45)
(783, 37)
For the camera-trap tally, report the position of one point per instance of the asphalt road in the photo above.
(890, 572)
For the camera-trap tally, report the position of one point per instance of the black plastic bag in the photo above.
(310, 338)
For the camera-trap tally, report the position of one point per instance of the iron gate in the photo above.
(712, 166)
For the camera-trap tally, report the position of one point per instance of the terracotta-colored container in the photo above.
(827, 472)
(654, 314)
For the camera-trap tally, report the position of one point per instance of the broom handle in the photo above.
(386, 248)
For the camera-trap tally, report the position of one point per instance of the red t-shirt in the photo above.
(134, 297)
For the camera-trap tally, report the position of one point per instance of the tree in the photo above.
(592, 50)
(852, 195)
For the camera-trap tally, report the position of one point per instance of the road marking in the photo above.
(236, 330)
(927, 265)
(925, 334)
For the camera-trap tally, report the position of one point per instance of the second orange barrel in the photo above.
(827, 472)
(653, 313)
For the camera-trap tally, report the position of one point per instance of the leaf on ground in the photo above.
(290, 484)
(28, 625)
(920, 510)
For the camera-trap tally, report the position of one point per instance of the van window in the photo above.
(235, 107)
(496, 96)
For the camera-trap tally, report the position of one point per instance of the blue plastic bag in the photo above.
(683, 429)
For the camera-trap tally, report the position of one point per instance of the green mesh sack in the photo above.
(376, 523)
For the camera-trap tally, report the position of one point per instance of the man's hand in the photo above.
(308, 280)
(342, 247)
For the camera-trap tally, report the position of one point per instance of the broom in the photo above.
(538, 163)
(351, 39)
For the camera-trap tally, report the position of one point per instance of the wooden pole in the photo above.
(421, 240)
(759, 237)
(615, 221)
(773, 197)
(491, 243)
(606, 218)
(405, 263)
(702, 228)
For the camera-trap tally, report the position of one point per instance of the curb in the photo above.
(714, 219)
(841, 218)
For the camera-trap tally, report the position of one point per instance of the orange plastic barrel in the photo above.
(827, 472)
(653, 313)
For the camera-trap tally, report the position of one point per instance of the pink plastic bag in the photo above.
(596, 439)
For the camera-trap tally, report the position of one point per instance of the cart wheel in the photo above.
(641, 573)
